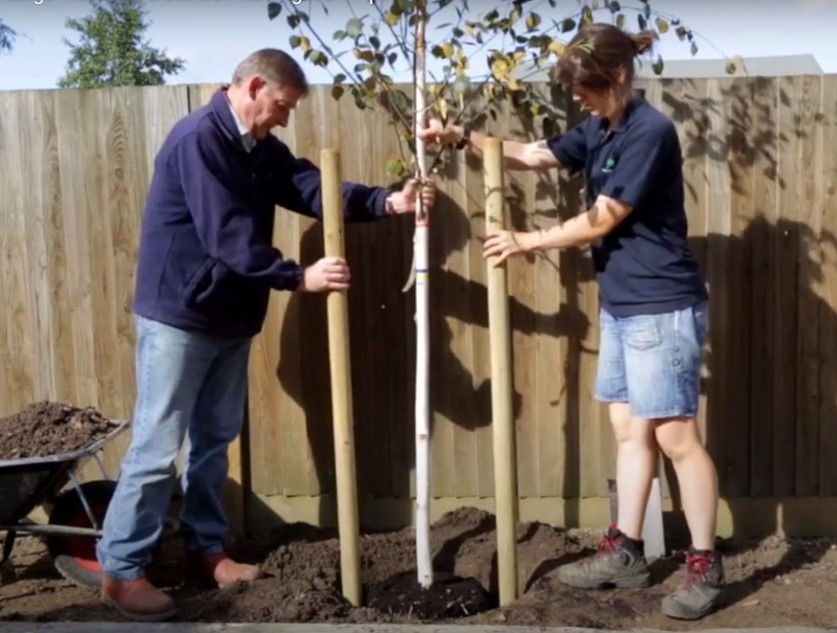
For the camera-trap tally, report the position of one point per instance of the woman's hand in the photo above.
(438, 134)
(504, 244)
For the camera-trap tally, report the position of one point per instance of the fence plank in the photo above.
(784, 291)
(827, 316)
(717, 268)
(763, 327)
(807, 188)
(52, 345)
(76, 209)
(729, 391)
(20, 362)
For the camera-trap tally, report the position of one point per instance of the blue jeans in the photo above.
(653, 361)
(185, 382)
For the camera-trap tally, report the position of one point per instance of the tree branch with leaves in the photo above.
(487, 59)
(7, 37)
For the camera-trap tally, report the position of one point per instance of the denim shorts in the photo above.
(653, 361)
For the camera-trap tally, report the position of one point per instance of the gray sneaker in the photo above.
(703, 589)
(619, 562)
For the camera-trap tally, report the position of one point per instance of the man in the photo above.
(206, 268)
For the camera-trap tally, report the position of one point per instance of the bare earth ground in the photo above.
(773, 582)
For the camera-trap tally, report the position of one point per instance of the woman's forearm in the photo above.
(513, 151)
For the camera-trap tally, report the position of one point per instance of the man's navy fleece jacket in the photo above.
(206, 260)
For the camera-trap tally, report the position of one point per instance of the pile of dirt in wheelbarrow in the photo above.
(50, 428)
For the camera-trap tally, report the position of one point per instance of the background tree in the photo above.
(7, 37)
(111, 50)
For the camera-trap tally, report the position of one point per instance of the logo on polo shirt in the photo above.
(610, 163)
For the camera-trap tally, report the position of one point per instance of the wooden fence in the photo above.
(761, 172)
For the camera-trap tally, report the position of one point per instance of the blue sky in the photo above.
(222, 32)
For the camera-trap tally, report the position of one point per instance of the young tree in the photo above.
(7, 37)
(485, 58)
(111, 50)
(485, 61)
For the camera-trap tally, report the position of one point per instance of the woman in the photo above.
(653, 304)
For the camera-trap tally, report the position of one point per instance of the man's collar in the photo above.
(229, 121)
(246, 138)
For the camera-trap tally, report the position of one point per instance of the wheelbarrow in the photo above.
(76, 514)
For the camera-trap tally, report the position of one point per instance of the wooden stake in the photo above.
(652, 526)
(505, 463)
(341, 388)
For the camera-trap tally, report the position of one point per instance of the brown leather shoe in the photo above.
(137, 600)
(223, 570)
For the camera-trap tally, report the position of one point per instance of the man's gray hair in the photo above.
(274, 66)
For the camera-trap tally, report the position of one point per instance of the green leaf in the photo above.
(533, 20)
(395, 168)
(273, 10)
(319, 58)
(294, 41)
(614, 6)
(658, 66)
(567, 25)
(694, 48)
(587, 15)
(354, 27)
(462, 85)
(337, 92)
(662, 25)
(731, 67)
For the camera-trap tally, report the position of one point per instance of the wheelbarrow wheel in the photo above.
(74, 556)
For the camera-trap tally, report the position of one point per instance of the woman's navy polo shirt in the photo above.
(644, 265)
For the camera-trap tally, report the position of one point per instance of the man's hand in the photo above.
(406, 200)
(440, 134)
(329, 273)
